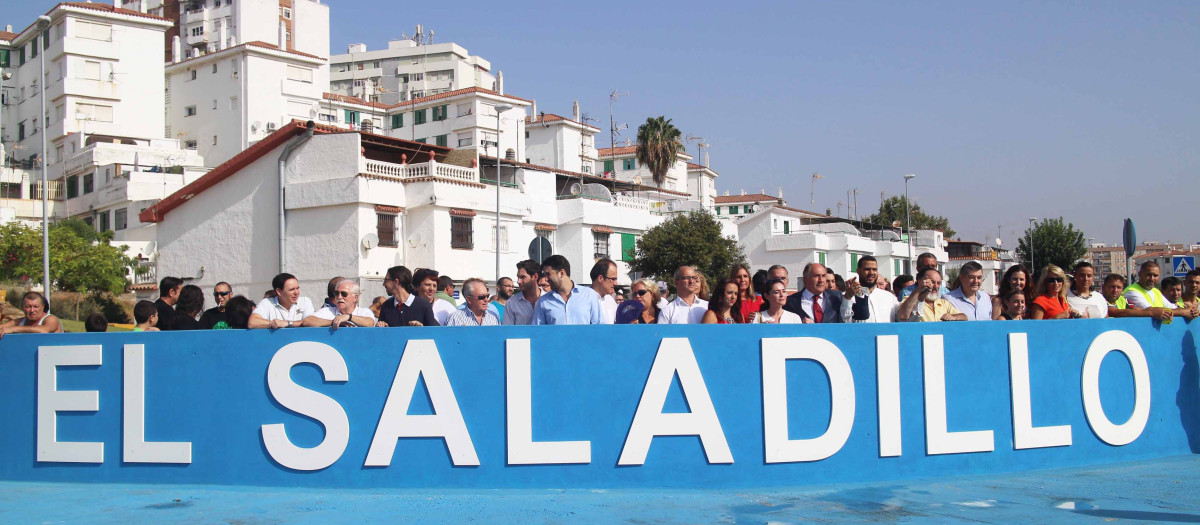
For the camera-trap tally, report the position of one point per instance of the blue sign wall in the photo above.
(220, 392)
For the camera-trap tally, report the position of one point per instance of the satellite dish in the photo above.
(637, 179)
(370, 240)
(999, 242)
(540, 249)
(254, 127)
(575, 188)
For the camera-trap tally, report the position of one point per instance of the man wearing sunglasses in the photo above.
(345, 310)
(476, 313)
(214, 318)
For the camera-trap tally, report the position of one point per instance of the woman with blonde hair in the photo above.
(1050, 300)
(643, 307)
(750, 301)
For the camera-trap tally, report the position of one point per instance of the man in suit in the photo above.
(816, 303)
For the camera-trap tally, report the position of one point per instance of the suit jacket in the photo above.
(832, 312)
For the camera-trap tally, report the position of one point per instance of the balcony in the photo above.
(145, 272)
(431, 169)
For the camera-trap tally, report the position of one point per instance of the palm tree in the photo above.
(658, 147)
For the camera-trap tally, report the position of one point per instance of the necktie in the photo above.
(817, 313)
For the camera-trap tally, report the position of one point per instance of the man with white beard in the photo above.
(925, 303)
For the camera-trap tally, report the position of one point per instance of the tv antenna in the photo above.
(700, 145)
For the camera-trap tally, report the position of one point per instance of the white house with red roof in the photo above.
(357, 203)
(561, 142)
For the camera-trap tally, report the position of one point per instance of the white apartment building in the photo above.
(206, 26)
(221, 102)
(737, 206)
(408, 68)
(461, 119)
(560, 142)
(358, 203)
(621, 163)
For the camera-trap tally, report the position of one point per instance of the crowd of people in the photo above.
(545, 294)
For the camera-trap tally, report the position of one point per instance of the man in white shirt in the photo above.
(604, 282)
(1143, 295)
(476, 313)
(344, 309)
(519, 310)
(1081, 297)
(426, 282)
(286, 310)
(687, 307)
(865, 301)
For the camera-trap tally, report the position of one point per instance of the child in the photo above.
(146, 315)
(95, 323)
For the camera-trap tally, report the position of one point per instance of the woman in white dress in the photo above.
(775, 314)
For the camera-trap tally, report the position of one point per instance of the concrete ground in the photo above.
(1161, 490)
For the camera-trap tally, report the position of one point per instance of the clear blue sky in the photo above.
(1004, 110)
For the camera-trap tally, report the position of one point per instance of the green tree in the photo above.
(892, 211)
(687, 239)
(81, 260)
(1053, 243)
(658, 146)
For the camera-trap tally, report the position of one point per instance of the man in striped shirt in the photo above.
(476, 312)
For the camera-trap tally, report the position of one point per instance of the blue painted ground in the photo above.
(1163, 490)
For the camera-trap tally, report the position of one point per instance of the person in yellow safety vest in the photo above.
(1191, 288)
(1114, 285)
(1142, 295)
(1172, 290)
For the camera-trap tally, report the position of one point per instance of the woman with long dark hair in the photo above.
(188, 308)
(725, 305)
(1015, 278)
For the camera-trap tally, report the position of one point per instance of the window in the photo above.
(465, 139)
(92, 30)
(103, 220)
(327, 117)
(191, 144)
(787, 227)
(398, 121)
(375, 64)
(441, 140)
(599, 245)
(461, 234)
(300, 74)
(422, 140)
(21, 56)
(214, 104)
(193, 73)
(360, 66)
(46, 37)
(189, 111)
(629, 164)
(416, 77)
(120, 219)
(853, 261)
(72, 186)
(440, 112)
(503, 238)
(88, 183)
(351, 117)
(4, 54)
(91, 70)
(608, 166)
(465, 109)
(418, 117)
(33, 49)
(628, 246)
(287, 13)
(214, 140)
(385, 228)
(10, 190)
(821, 258)
(733, 210)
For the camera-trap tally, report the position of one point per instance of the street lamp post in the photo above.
(499, 108)
(1032, 266)
(43, 23)
(908, 218)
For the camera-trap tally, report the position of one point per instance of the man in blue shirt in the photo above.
(566, 303)
(966, 294)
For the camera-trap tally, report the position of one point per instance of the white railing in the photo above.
(625, 201)
(424, 169)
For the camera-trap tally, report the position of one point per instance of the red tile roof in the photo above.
(546, 118)
(789, 208)
(108, 8)
(5, 35)
(347, 99)
(619, 150)
(285, 133)
(754, 197)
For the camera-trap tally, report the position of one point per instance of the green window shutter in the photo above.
(853, 262)
(733, 210)
(896, 267)
(718, 210)
(441, 140)
(608, 166)
(421, 140)
(821, 258)
(419, 117)
(3, 58)
(628, 246)
(397, 121)
(787, 227)
(46, 39)
(21, 56)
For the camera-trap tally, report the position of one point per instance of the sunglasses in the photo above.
(221, 294)
(481, 297)
(640, 293)
(1054, 279)
(342, 293)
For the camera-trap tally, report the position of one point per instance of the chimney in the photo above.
(283, 36)
(781, 193)
(500, 82)
(706, 159)
(534, 108)
(8, 28)
(743, 191)
(116, 4)
(175, 49)
(575, 112)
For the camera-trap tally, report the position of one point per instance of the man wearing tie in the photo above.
(816, 303)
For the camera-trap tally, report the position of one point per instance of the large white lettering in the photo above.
(51, 401)
(135, 448)
(1105, 429)
(675, 357)
(309, 403)
(887, 379)
(522, 449)
(937, 439)
(775, 354)
(421, 359)
(1025, 435)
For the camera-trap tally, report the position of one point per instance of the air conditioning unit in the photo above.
(270, 126)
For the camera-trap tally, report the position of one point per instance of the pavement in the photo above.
(1159, 490)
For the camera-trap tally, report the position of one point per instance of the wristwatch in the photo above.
(289, 324)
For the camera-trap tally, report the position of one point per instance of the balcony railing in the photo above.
(424, 169)
(145, 272)
(56, 190)
(625, 201)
